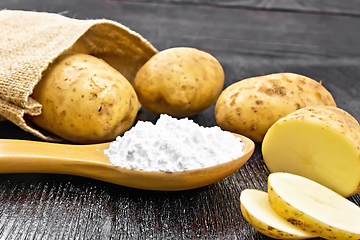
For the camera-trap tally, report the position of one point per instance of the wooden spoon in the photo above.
(22, 156)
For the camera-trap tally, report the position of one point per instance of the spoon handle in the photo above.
(22, 156)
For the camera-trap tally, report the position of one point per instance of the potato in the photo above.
(321, 143)
(84, 100)
(257, 210)
(128, 66)
(249, 107)
(180, 82)
(313, 207)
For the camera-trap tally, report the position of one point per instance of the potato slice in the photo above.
(321, 143)
(313, 207)
(257, 211)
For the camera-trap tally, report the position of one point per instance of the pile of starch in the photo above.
(173, 145)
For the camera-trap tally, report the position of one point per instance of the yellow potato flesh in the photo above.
(258, 212)
(313, 207)
(313, 150)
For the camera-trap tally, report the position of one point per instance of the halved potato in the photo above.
(321, 143)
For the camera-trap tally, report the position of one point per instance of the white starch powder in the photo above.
(173, 145)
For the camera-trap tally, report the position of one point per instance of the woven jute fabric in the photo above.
(31, 41)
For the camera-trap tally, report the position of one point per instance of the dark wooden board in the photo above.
(344, 7)
(251, 39)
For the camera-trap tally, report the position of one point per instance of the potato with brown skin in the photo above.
(85, 100)
(180, 82)
(249, 107)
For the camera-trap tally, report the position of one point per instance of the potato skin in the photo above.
(85, 100)
(250, 106)
(179, 81)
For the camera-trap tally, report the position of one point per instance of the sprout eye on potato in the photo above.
(85, 100)
(180, 82)
(250, 106)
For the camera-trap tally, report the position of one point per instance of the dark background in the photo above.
(318, 39)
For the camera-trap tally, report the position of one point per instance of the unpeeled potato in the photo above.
(85, 100)
(180, 82)
(249, 107)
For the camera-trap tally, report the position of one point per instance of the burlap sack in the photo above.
(30, 41)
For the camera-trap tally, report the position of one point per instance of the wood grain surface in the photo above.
(319, 39)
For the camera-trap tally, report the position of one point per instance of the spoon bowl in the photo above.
(23, 156)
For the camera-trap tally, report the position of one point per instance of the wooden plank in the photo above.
(248, 41)
(242, 31)
(343, 7)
